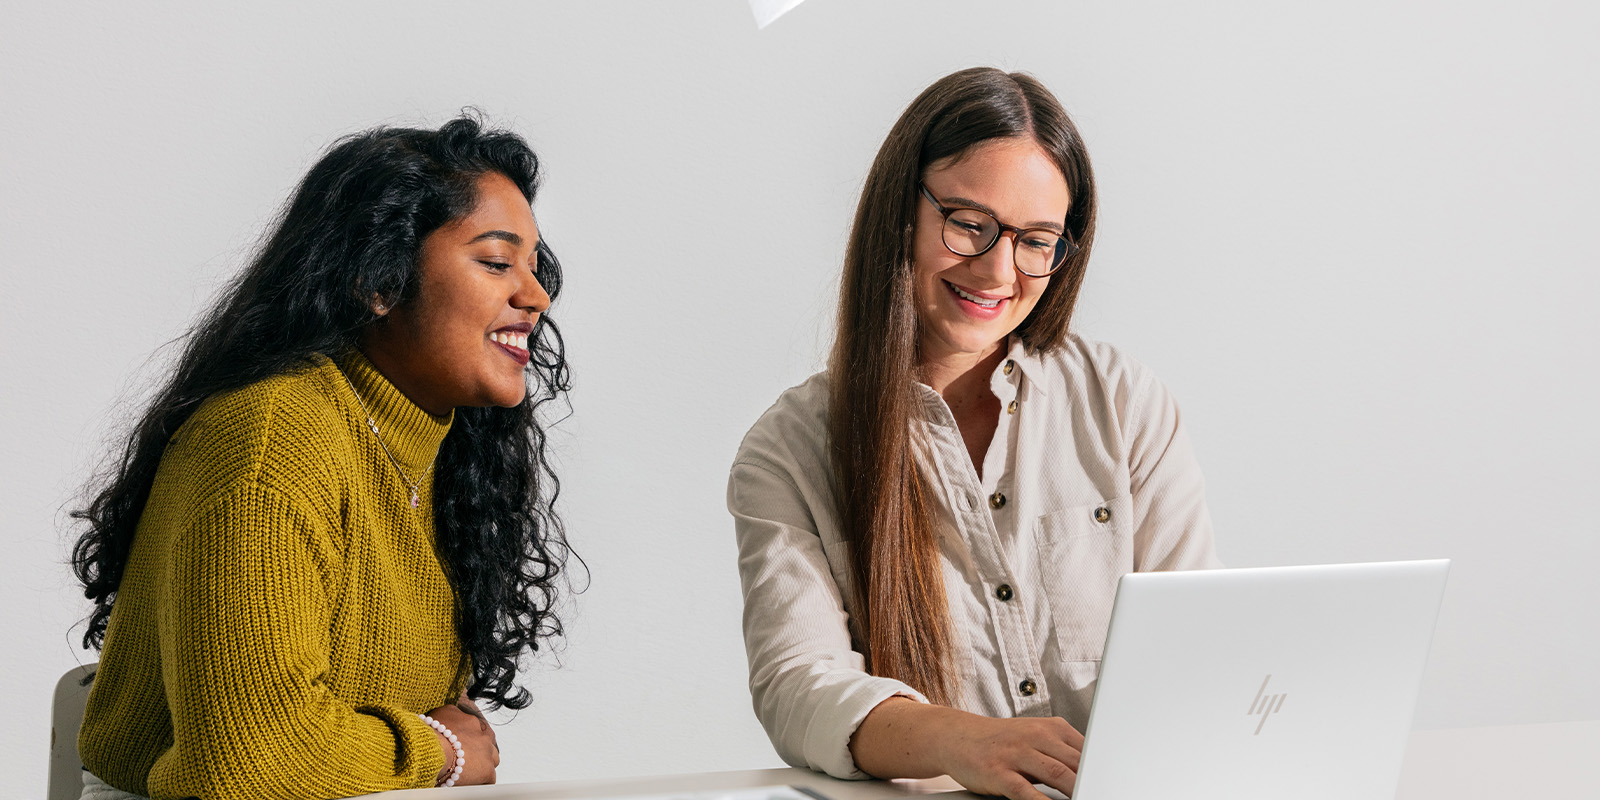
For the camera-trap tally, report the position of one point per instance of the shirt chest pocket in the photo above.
(1083, 552)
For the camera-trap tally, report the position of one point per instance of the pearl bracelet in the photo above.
(461, 757)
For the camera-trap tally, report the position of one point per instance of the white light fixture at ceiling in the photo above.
(768, 10)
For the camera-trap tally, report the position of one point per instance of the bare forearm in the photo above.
(902, 738)
(899, 738)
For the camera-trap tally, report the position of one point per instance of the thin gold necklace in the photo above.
(373, 424)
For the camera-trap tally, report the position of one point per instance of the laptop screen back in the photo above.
(1261, 683)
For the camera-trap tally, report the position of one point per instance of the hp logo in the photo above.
(1265, 705)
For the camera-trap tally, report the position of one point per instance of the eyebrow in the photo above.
(504, 236)
(962, 201)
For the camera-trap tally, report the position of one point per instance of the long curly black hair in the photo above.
(354, 229)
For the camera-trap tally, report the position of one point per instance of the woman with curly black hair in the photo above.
(333, 529)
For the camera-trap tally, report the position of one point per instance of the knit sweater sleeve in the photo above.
(244, 639)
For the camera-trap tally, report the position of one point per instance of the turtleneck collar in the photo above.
(411, 434)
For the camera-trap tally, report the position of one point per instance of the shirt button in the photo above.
(1011, 408)
(1102, 514)
(1027, 687)
(1010, 365)
(997, 501)
(1003, 591)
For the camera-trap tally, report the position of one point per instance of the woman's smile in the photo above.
(513, 339)
(980, 305)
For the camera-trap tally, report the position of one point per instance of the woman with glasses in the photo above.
(931, 531)
(331, 534)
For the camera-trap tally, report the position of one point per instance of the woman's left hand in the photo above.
(477, 739)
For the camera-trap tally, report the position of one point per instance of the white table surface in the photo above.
(622, 787)
(1554, 761)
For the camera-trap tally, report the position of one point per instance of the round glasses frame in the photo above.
(1061, 256)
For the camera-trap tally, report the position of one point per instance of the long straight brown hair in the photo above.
(883, 500)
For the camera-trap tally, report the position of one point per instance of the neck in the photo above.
(393, 367)
(406, 431)
(962, 378)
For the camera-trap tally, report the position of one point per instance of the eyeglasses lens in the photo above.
(969, 232)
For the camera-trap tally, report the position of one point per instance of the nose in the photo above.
(999, 262)
(531, 294)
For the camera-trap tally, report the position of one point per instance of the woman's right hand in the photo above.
(901, 738)
(1007, 756)
(477, 742)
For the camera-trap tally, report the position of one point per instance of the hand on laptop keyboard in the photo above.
(902, 738)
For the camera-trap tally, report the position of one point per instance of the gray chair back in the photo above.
(66, 716)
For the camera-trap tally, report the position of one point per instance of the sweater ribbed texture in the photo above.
(283, 616)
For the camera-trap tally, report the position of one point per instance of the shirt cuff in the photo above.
(827, 743)
(418, 755)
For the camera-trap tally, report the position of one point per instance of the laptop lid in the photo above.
(1260, 683)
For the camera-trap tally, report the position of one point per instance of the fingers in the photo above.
(1050, 737)
(1073, 737)
(1021, 789)
(477, 739)
(1020, 786)
(1061, 730)
(1051, 772)
(1061, 752)
(1014, 775)
(1014, 754)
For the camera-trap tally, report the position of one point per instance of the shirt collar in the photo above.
(1025, 363)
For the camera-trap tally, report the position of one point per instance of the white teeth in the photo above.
(979, 300)
(518, 340)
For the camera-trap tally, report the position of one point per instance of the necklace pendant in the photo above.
(372, 425)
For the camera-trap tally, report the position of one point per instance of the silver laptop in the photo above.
(1247, 684)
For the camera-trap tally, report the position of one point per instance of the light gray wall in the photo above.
(1357, 239)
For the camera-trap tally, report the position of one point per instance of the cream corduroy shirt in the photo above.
(1089, 476)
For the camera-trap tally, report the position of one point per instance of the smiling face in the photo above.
(462, 340)
(968, 305)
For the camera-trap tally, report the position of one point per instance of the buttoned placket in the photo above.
(987, 520)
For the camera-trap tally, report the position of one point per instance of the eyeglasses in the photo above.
(970, 232)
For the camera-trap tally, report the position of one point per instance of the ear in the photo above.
(378, 304)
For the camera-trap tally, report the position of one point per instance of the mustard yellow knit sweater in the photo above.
(283, 617)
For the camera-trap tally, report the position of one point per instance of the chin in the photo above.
(968, 341)
(510, 400)
(506, 395)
